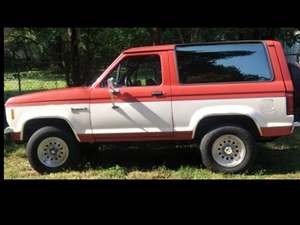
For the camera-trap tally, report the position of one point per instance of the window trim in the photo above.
(270, 66)
(136, 55)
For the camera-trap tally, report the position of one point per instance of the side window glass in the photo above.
(136, 71)
(223, 63)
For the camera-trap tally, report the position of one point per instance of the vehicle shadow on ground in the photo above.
(276, 161)
(269, 161)
(143, 159)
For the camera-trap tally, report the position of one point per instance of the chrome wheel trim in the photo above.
(228, 150)
(53, 152)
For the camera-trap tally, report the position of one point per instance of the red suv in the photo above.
(224, 96)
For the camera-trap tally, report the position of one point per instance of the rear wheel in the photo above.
(51, 149)
(228, 149)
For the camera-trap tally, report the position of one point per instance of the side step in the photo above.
(297, 124)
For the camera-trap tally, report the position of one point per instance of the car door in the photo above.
(142, 108)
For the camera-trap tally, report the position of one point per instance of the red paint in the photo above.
(61, 102)
(86, 137)
(57, 96)
(151, 99)
(148, 49)
(290, 104)
(150, 136)
(182, 135)
(276, 131)
(206, 92)
(170, 85)
(16, 136)
(280, 56)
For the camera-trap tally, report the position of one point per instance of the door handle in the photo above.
(157, 93)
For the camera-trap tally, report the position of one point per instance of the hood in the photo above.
(64, 95)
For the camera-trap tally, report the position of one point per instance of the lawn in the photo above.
(275, 160)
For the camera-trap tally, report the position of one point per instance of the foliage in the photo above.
(81, 53)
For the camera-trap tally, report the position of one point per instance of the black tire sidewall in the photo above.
(210, 137)
(39, 136)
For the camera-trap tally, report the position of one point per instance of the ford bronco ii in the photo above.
(224, 96)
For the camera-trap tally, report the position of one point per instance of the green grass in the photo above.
(275, 160)
(33, 84)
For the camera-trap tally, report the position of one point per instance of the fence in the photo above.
(31, 81)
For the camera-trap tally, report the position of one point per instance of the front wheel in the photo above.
(228, 149)
(51, 149)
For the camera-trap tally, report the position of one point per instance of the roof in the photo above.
(150, 48)
(220, 42)
(173, 46)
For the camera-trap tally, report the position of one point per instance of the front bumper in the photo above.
(11, 135)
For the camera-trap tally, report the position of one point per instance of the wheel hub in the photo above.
(53, 152)
(228, 150)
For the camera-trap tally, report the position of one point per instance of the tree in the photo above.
(156, 35)
(75, 62)
(81, 54)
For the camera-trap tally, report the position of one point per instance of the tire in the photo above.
(51, 149)
(228, 149)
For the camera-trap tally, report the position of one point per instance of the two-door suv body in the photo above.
(224, 96)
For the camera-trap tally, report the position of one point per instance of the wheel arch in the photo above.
(210, 122)
(32, 125)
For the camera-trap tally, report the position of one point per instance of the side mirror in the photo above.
(112, 91)
(112, 87)
(110, 83)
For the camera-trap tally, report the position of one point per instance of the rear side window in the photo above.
(223, 63)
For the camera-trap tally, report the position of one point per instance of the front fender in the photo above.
(78, 121)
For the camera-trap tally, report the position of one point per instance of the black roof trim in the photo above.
(219, 43)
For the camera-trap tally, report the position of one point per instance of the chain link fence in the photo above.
(18, 83)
